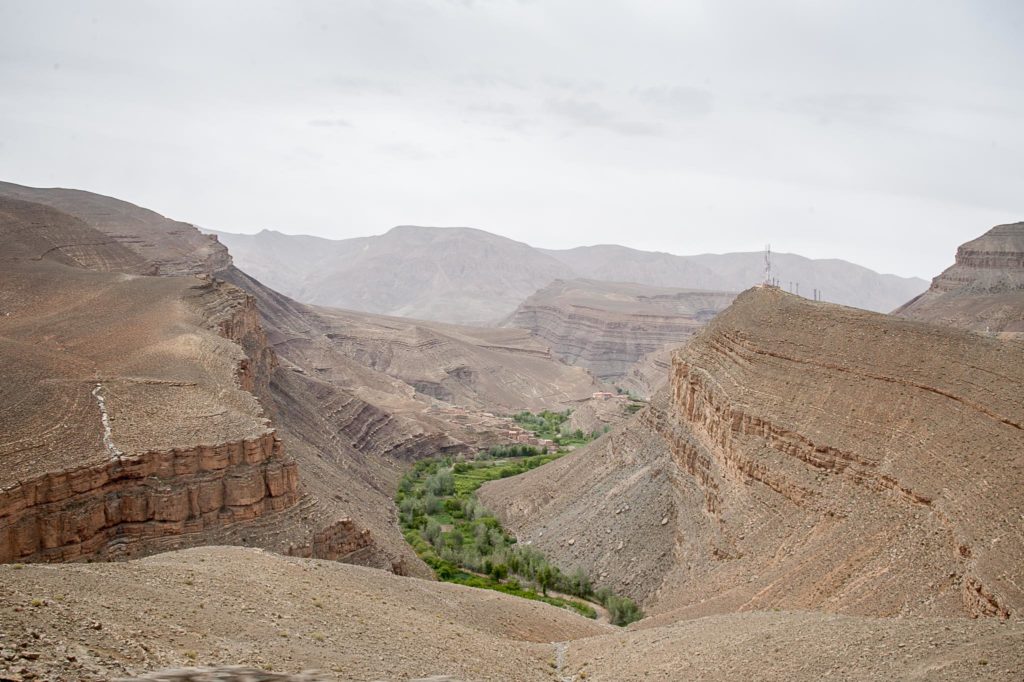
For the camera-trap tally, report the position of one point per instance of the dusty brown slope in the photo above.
(983, 291)
(128, 425)
(609, 327)
(352, 397)
(804, 456)
(648, 375)
(180, 365)
(33, 231)
(238, 606)
(166, 246)
(503, 370)
(228, 606)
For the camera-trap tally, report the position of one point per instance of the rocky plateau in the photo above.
(983, 291)
(611, 328)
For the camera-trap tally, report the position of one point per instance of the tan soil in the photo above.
(218, 606)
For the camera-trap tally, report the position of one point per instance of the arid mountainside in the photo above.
(983, 291)
(351, 398)
(220, 606)
(497, 369)
(180, 370)
(129, 424)
(610, 327)
(468, 276)
(164, 246)
(840, 281)
(457, 275)
(803, 456)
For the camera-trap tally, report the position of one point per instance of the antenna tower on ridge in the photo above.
(768, 265)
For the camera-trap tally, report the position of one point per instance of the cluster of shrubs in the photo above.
(552, 425)
(505, 451)
(547, 422)
(462, 542)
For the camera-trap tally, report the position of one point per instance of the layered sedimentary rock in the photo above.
(127, 424)
(609, 327)
(352, 400)
(803, 456)
(343, 404)
(503, 370)
(648, 375)
(162, 246)
(138, 504)
(983, 291)
(598, 414)
(137, 409)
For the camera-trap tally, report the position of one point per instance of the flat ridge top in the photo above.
(76, 344)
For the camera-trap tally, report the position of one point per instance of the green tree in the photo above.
(546, 577)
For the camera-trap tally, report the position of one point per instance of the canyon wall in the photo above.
(131, 420)
(803, 456)
(127, 506)
(611, 328)
(983, 290)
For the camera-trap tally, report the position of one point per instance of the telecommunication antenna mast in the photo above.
(768, 265)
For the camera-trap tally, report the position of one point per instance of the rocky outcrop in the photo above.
(126, 506)
(130, 420)
(803, 456)
(983, 291)
(648, 375)
(609, 328)
(162, 246)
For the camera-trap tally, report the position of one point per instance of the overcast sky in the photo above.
(881, 132)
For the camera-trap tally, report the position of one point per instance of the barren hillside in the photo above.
(808, 456)
(129, 423)
(218, 606)
(168, 247)
(457, 275)
(610, 327)
(353, 397)
(983, 290)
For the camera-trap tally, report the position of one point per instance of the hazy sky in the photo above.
(881, 132)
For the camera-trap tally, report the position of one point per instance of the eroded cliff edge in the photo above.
(129, 422)
(983, 290)
(611, 328)
(804, 456)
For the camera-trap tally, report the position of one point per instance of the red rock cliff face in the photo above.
(235, 316)
(131, 505)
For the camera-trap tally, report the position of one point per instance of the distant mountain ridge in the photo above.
(470, 276)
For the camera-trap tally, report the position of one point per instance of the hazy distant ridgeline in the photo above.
(469, 276)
